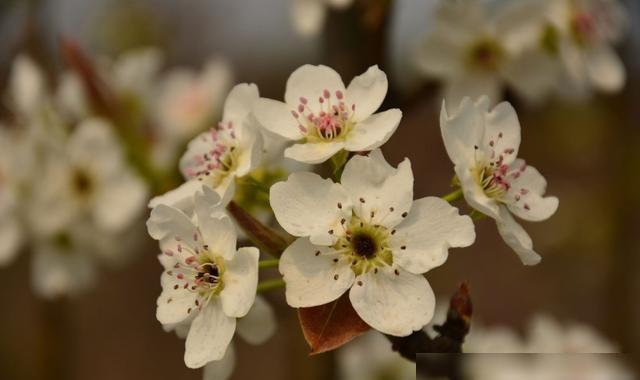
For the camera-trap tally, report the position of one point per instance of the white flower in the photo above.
(370, 357)
(217, 157)
(308, 15)
(368, 235)
(325, 118)
(206, 282)
(189, 102)
(580, 34)
(483, 146)
(27, 86)
(87, 177)
(476, 52)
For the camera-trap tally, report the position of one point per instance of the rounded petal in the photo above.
(373, 131)
(533, 74)
(439, 57)
(367, 92)
(10, 239)
(58, 273)
(474, 194)
(309, 82)
(387, 192)
(308, 16)
(517, 238)
(423, 239)
(223, 368)
(209, 336)
(473, 85)
(219, 234)
(174, 305)
(120, 202)
(307, 205)
(259, 324)
(276, 117)
(249, 148)
(313, 153)
(240, 102)
(313, 278)
(27, 84)
(167, 222)
(393, 301)
(181, 197)
(605, 69)
(527, 194)
(240, 280)
(462, 130)
(502, 132)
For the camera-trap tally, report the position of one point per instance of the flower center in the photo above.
(583, 27)
(332, 121)
(364, 245)
(82, 183)
(217, 162)
(550, 40)
(485, 55)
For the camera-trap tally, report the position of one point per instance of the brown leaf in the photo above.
(327, 327)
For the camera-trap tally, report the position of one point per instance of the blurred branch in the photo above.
(451, 334)
(264, 237)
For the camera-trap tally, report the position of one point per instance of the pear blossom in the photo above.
(27, 86)
(367, 236)
(476, 50)
(87, 177)
(580, 34)
(207, 282)
(217, 157)
(483, 145)
(323, 117)
(309, 15)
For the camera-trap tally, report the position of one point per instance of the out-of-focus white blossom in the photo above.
(483, 145)
(208, 282)
(308, 16)
(367, 236)
(324, 118)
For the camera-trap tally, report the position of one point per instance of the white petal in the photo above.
(309, 82)
(517, 238)
(167, 222)
(57, 273)
(473, 85)
(502, 132)
(462, 130)
(382, 187)
(10, 239)
(367, 92)
(430, 229)
(313, 279)
(181, 197)
(373, 131)
(307, 205)
(223, 368)
(605, 69)
(474, 194)
(240, 101)
(394, 304)
(439, 57)
(219, 234)
(240, 280)
(533, 74)
(529, 187)
(174, 305)
(248, 148)
(26, 84)
(276, 117)
(120, 202)
(313, 153)
(209, 336)
(308, 16)
(259, 324)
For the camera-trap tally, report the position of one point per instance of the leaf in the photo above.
(327, 327)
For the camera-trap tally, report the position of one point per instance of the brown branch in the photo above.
(264, 237)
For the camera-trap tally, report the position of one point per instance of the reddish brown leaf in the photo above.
(327, 327)
(461, 303)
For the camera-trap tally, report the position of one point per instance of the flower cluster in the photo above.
(536, 48)
(360, 232)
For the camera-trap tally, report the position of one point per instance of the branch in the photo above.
(450, 335)
(264, 237)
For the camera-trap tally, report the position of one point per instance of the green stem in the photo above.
(453, 196)
(268, 285)
(271, 263)
(477, 215)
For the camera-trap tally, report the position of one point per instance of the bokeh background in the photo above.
(589, 152)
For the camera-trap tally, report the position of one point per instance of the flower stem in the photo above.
(268, 285)
(453, 196)
(264, 237)
(477, 215)
(268, 263)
